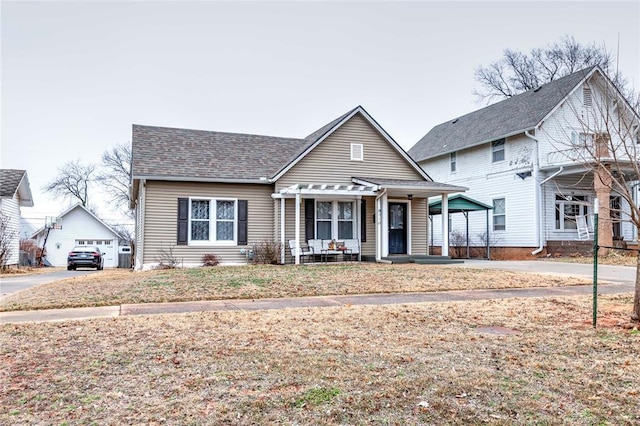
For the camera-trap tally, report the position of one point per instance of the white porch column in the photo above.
(297, 227)
(445, 224)
(282, 234)
(359, 223)
(385, 225)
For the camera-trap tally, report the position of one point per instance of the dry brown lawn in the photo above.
(515, 361)
(612, 258)
(119, 286)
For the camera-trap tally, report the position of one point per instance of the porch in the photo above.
(386, 216)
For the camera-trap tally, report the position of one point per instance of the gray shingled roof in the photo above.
(9, 181)
(198, 154)
(505, 118)
(184, 153)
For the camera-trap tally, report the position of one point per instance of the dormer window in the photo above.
(357, 152)
(497, 151)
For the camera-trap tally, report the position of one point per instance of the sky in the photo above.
(75, 76)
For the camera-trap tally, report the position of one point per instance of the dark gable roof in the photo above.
(505, 118)
(199, 154)
(9, 181)
(183, 153)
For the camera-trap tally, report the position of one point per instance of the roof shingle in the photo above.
(505, 118)
(9, 181)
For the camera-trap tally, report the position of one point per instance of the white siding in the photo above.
(77, 224)
(10, 207)
(487, 181)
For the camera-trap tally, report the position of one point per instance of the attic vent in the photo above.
(586, 96)
(357, 152)
(455, 121)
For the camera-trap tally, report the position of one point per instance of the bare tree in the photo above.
(516, 72)
(602, 134)
(115, 176)
(73, 180)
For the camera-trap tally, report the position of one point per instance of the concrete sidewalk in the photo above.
(303, 302)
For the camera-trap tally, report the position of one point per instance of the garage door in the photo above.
(107, 247)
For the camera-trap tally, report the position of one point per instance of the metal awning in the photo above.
(458, 204)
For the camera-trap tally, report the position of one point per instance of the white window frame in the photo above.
(357, 152)
(334, 217)
(212, 241)
(453, 161)
(493, 215)
(502, 143)
(581, 139)
(559, 207)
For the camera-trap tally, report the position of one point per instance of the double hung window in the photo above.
(499, 214)
(453, 160)
(497, 151)
(335, 220)
(213, 220)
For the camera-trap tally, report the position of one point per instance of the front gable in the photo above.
(353, 148)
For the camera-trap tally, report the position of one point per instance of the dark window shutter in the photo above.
(309, 218)
(243, 215)
(363, 220)
(183, 221)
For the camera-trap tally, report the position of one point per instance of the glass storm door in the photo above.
(397, 228)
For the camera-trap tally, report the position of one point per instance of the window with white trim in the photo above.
(581, 139)
(499, 214)
(335, 220)
(453, 160)
(324, 213)
(212, 220)
(497, 151)
(357, 152)
(568, 208)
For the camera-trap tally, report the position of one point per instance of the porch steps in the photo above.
(422, 259)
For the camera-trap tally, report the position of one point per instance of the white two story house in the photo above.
(533, 157)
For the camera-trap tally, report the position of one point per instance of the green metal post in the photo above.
(595, 262)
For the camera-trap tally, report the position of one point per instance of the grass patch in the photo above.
(114, 287)
(316, 396)
(401, 364)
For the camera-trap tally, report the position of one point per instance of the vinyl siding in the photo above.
(330, 161)
(419, 226)
(160, 220)
(10, 207)
(77, 224)
(487, 181)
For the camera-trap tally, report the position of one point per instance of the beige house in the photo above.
(200, 192)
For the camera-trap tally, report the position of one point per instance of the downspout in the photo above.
(379, 225)
(537, 191)
(541, 247)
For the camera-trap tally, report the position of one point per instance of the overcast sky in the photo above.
(77, 75)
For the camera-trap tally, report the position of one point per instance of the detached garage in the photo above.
(77, 226)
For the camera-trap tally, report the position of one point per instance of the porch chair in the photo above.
(316, 246)
(352, 246)
(304, 251)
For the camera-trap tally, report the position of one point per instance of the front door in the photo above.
(397, 228)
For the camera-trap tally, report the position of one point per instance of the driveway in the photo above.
(608, 273)
(13, 283)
